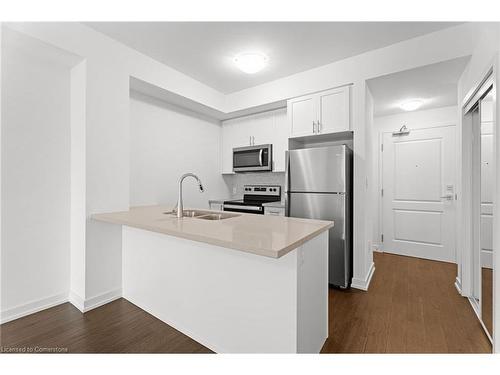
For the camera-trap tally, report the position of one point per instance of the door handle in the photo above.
(260, 156)
(448, 197)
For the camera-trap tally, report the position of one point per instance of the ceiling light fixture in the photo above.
(251, 62)
(411, 105)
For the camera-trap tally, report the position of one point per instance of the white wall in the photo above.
(165, 142)
(371, 179)
(35, 178)
(77, 184)
(109, 66)
(413, 120)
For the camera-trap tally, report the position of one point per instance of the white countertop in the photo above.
(271, 236)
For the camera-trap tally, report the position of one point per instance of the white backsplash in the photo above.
(236, 181)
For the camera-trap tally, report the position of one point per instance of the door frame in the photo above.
(380, 200)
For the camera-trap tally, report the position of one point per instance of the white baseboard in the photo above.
(475, 306)
(46, 303)
(363, 284)
(458, 285)
(77, 301)
(32, 307)
(101, 299)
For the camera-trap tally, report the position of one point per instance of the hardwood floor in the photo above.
(487, 298)
(118, 327)
(411, 307)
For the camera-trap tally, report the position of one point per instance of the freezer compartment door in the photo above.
(328, 207)
(319, 170)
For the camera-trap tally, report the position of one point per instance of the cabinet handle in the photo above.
(319, 127)
(253, 140)
(314, 128)
(250, 141)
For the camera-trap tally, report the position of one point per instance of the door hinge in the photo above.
(381, 238)
(382, 192)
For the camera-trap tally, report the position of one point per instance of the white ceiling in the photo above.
(435, 84)
(204, 50)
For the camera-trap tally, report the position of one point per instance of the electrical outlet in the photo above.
(234, 190)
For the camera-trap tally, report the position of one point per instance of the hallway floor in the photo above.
(411, 307)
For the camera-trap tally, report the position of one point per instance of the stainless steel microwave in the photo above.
(253, 158)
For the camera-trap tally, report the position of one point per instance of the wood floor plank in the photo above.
(415, 338)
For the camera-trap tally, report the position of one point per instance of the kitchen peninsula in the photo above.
(236, 283)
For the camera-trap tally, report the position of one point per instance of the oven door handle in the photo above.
(260, 156)
(249, 208)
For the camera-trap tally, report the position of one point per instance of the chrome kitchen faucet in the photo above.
(180, 206)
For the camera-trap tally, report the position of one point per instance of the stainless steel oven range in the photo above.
(254, 196)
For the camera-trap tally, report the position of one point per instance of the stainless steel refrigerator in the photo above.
(319, 186)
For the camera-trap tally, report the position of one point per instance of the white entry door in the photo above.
(418, 197)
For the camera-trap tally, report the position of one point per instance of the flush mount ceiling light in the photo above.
(251, 62)
(411, 105)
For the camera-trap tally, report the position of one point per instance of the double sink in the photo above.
(204, 215)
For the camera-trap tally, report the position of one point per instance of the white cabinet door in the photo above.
(242, 132)
(333, 110)
(261, 128)
(302, 115)
(275, 211)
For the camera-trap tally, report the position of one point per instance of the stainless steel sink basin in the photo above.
(205, 215)
(193, 213)
(189, 213)
(216, 216)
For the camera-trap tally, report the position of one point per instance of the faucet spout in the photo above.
(180, 206)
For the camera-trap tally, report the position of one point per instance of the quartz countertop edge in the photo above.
(137, 217)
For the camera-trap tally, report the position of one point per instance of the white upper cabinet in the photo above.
(321, 113)
(333, 111)
(263, 128)
(302, 113)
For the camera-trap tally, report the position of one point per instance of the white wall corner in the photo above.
(363, 284)
(76, 301)
(101, 299)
